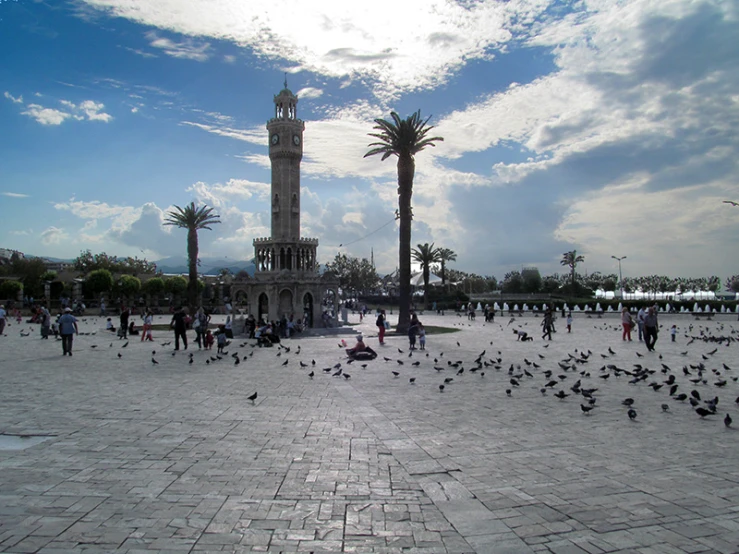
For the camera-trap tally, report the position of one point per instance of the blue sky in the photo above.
(605, 126)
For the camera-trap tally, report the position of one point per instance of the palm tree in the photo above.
(403, 138)
(446, 255)
(193, 219)
(571, 259)
(426, 255)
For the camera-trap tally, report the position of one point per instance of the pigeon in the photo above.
(347, 376)
(125, 344)
(303, 365)
(665, 408)
(412, 380)
(586, 409)
(396, 373)
(311, 374)
(703, 412)
(628, 402)
(338, 372)
(120, 355)
(727, 420)
(448, 380)
(441, 388)
(632, 414)
(253, 397)
(154, 361)
(285, 362)
(561, 395)
(508, 392)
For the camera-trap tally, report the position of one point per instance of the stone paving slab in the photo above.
(173, 457)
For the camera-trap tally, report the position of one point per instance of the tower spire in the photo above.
(285, 79)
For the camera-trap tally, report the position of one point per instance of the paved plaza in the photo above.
(173, 458)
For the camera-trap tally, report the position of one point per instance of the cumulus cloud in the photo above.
(53, 235)
(46, 116)
(87, 110)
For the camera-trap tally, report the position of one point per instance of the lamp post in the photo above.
(620, 277)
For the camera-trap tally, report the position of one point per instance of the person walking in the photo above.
(67, 329)
(148, 326)
(640, 315)
(45, 323)
(3, 317)
(180, 328)
(650, 329)
(125, 314)
(381, 326)
(628, 322)
(546, 324)
(201, 326)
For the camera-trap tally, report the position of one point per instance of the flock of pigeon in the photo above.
(581, 376)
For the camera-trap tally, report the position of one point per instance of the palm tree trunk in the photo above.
(192, 262)
(406, 169)
(443, 275)
(426, 278)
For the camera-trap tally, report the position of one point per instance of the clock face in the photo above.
(296, 140)
(275, 139)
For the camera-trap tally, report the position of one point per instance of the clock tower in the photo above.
(285, 152)
(287, 282)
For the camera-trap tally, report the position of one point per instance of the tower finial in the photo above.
(285, 79)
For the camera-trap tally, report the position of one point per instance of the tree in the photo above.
(354, 274)
(153, 288)
(175, 286)
(99, 281)
(445, 255)
(512, 283)
(426, 255)
(193, 219)
(48, 275)
(403, 138)
(129, 286)
(87, 262)
(9, 289)
(732, 283)
(571, 259)
(531, 280)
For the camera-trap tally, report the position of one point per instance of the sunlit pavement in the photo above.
(173, 457)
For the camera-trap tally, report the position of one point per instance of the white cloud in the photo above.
(310, 92)
(187, 49)
(15, 100)
(46, 116)
(141, 53)
(88, 109)
(220, 195)
(357, 40)
(14, 194)
(255, 136)
(53, 235)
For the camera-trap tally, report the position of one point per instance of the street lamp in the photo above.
(620, 277)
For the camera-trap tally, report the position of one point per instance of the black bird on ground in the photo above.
(285, 362)
(586, 409)
(727, 420)
(508, 392)
(303, 365)
(154, 361)
(682, 397)
(120, 355)
(125, 344)
(311, 374)
(441, 388)
(448, 380)
(253, 397)
(628, 402)
(347, 376)
(337, 373)
(665, 408)
(561, 395)
(703, 412)
(632, 414)
(412, 380)
(396, 373)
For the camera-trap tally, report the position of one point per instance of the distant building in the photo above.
(7, 254)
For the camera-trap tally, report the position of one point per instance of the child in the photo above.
(209, 340)
(422, 336)
(221, 338)
(673, 332)
(523, 336)
(569, 322)
(109, 326)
